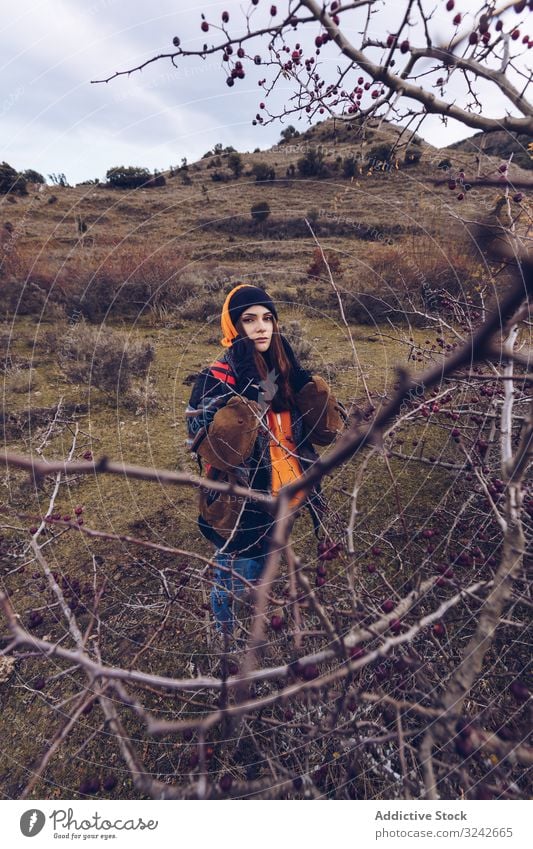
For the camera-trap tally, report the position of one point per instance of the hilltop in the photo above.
(501, 144)
(94, 247)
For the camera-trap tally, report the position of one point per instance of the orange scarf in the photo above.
(285, 467)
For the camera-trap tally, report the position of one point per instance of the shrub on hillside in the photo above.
(318, 268)
(220, 177)
(263, 172)
(289, 133)
(412, 156)
(312, 163)
(380, 154)
(101, 358)
(301, 346)
(235, 163)
(11, 182)
(260, 211)
(127, 177)
(32, 176)
(351, 167)
(129, 281)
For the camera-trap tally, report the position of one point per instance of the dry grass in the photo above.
(151, 264)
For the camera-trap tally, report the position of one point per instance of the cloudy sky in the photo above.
(54, 120)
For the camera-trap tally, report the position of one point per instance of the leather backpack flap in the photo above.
(232, 434)
(221, 510)
(320, 411)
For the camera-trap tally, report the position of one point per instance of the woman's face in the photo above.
(258, 323)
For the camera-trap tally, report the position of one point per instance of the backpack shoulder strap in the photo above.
(223, 372)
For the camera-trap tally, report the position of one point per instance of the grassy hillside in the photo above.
(501, 144)
(151, 267)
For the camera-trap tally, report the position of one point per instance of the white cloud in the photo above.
(54, 119)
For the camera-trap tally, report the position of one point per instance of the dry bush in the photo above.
(318, 267)
(301, 346)
(128, 280)
(102, 358)
(142, 397)
(18, 380)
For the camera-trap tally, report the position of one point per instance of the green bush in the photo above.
(289, 133)
(351, 167)
(380, 154)
(235, 163)
(263, 172)
(220, 177)
(412, 157)
(127, 177)
(312, 163)
(32, 176)
(11, 182)
(260, 211)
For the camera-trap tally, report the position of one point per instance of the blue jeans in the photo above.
(226, 586)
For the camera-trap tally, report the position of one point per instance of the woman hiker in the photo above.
(253, 418)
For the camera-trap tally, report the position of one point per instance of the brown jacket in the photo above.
(226, 433)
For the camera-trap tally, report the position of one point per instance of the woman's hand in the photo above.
(247, 375)
(299, 375)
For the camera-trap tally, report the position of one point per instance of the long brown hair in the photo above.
(276, 359)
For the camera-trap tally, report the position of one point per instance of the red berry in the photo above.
(309, 671)
(273, 10)
(89, 786)
(515, 34)
(473, 38)
(439, 629)
(519, 691)
(396, 626)
(109, 782)
(277, 622)
(404, 46)
(225, 17)
(205, 26)
(356, 652)
(88, 455)
(387, 606)
(457, 20)
(225, 782)
(450, 5)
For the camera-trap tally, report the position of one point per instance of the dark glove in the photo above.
(299, 376)
(247, 375)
